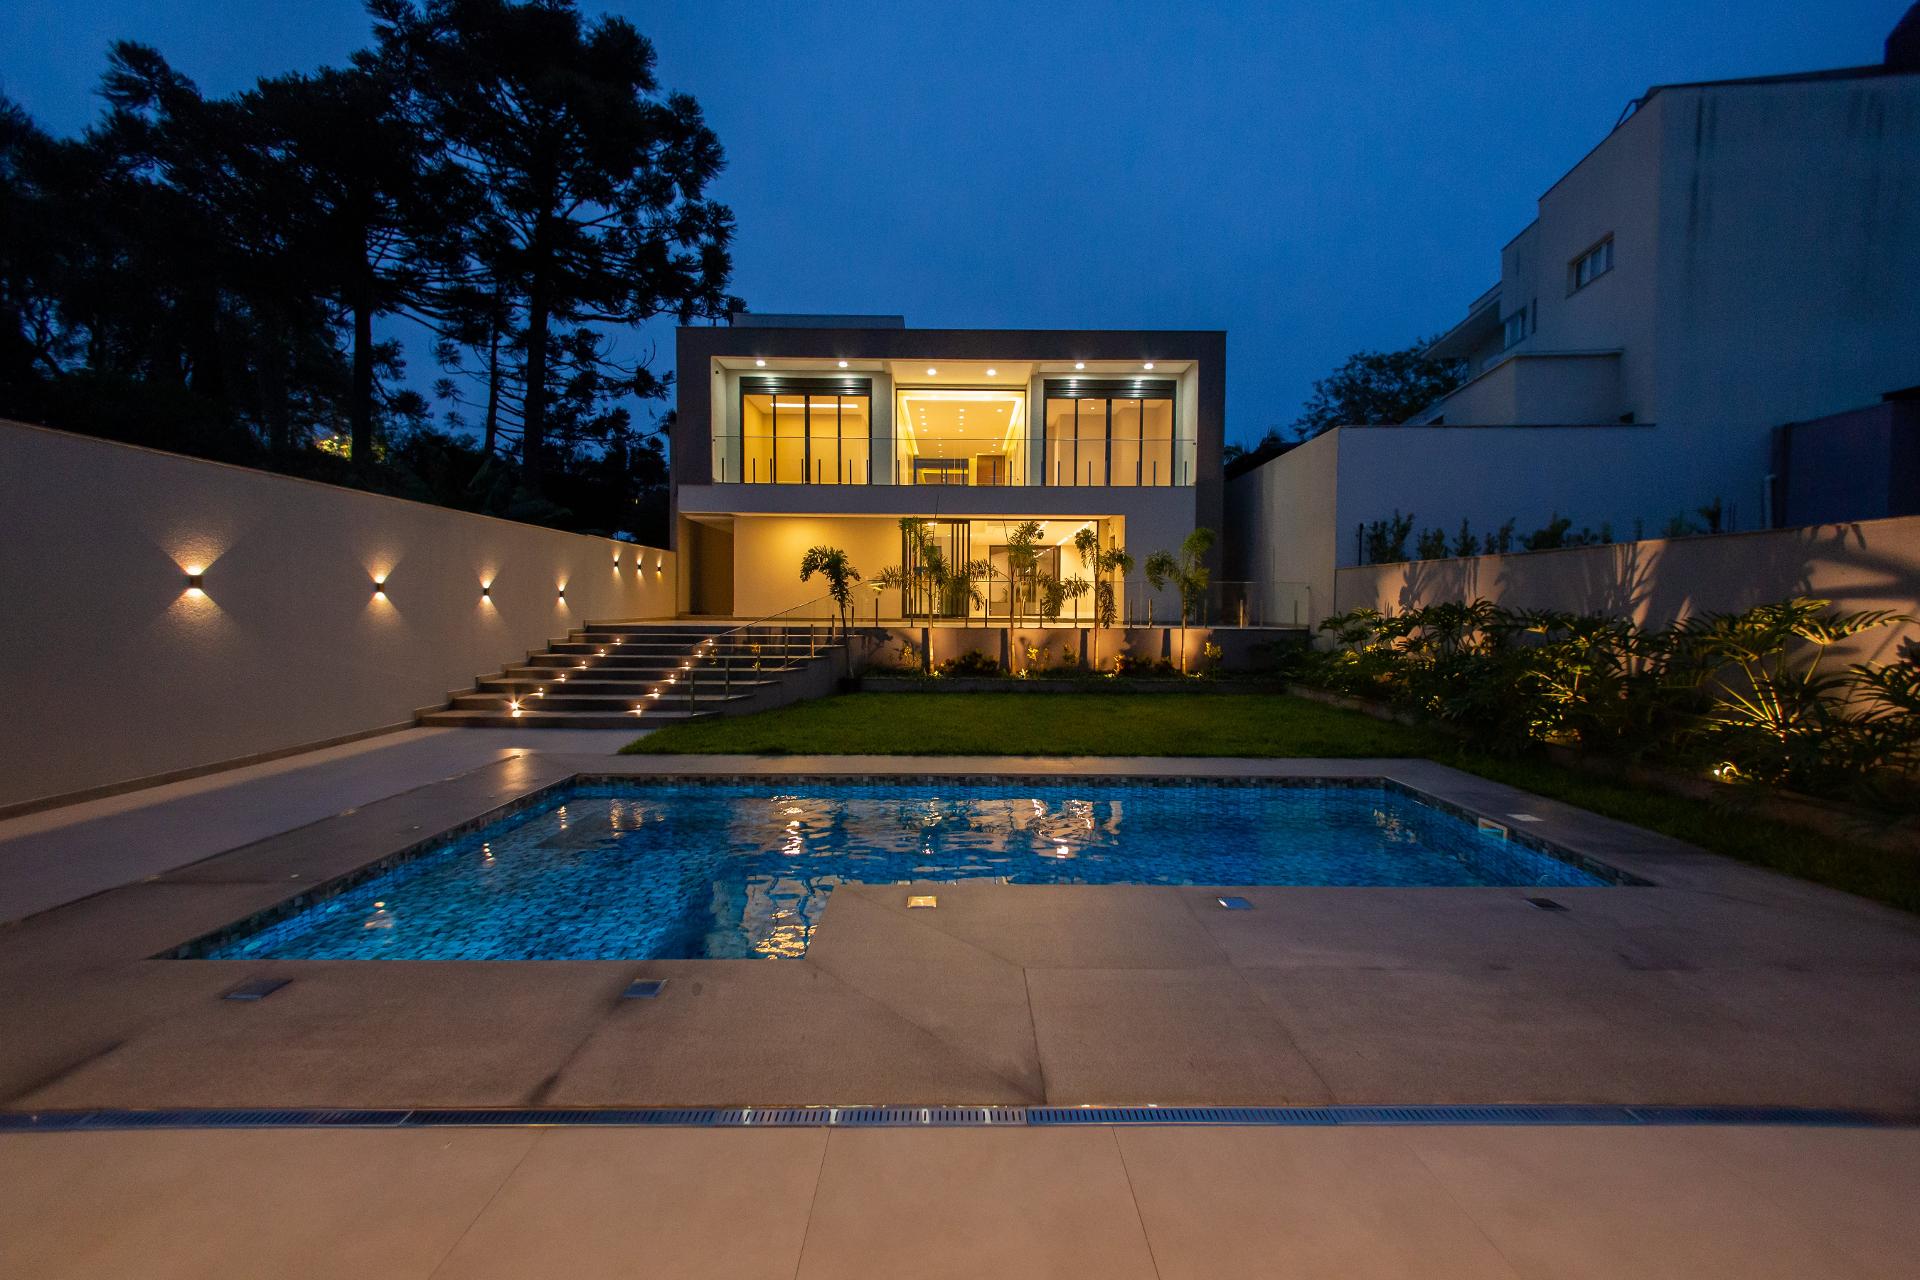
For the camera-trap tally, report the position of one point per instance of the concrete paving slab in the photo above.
(396, 1033)
(1605, 1203)
(767, 1032)
(966, 1203)
(348, 1204)
(1066, 926)
(667, 1202)
(1123, 1036)
(1582, 1035)
(1356, 1204)
(970, 999)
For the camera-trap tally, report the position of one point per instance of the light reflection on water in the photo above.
(660, 871)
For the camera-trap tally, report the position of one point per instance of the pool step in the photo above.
(631, 675)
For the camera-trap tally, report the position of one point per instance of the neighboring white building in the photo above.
(1733, 257)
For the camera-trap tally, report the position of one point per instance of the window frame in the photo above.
(774, 386)
(1109, 391)
(1604, 245)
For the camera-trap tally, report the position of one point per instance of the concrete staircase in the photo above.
(634, 675)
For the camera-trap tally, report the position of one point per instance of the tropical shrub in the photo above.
(1748, 696)
(971, 663)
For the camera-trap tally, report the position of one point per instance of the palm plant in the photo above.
(1187, 571)
(1105, 564)
(834, 565)
(928, 578)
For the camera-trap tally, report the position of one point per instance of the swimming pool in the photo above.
(643, 870)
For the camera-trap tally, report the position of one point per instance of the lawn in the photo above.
(1121, 724)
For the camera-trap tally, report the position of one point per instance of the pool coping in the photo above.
(196, 948)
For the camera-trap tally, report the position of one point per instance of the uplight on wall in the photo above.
(196, 578)
(486, 591)
(380, 586)
(563, 592)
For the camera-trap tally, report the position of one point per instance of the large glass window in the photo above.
(803, 431)
(1114, 432)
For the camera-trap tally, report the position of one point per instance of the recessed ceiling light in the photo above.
(993, 373)
(1147, 365)
(843, 364)
(759, 364)
(1079, 364)
(931, 371)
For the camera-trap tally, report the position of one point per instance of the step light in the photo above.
(1234, 904)
(256, 989)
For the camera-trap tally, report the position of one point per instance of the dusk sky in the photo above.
(1313, 178)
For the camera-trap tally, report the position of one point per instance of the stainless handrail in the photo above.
(728, 645)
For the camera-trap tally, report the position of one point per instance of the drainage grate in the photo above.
(644, 989)
(935, 1117)
(257, 989)
(1235, 904)
(1546, 904)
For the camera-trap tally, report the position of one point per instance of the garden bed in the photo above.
(892, 683)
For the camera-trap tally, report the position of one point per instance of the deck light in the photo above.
(918, 900)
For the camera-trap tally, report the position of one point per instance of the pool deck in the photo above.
(1719, 984)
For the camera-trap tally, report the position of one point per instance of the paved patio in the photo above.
(1720, 984)
(1425, 1204)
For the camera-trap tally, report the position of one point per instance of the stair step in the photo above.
(672, 698)
(556, 719)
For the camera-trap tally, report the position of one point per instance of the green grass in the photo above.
(1200, 724)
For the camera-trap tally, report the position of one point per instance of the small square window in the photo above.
(1590, 266)
(1516, 327)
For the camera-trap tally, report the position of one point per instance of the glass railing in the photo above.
(974, 461)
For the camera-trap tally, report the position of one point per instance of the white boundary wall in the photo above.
(1870, 564)
(115, 671)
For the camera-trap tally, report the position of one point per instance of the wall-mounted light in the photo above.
(380, 586)
(486, 591)
(563, 591)
(195, 578)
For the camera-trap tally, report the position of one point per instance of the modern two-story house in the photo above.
(797, 431)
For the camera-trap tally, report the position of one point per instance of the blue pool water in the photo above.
(659, 871)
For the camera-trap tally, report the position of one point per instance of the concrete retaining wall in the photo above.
(1870, 564)
(116, 671)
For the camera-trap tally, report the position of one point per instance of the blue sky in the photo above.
(1312, 178)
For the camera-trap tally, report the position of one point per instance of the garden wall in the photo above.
(118, 671)
(1869, 564)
